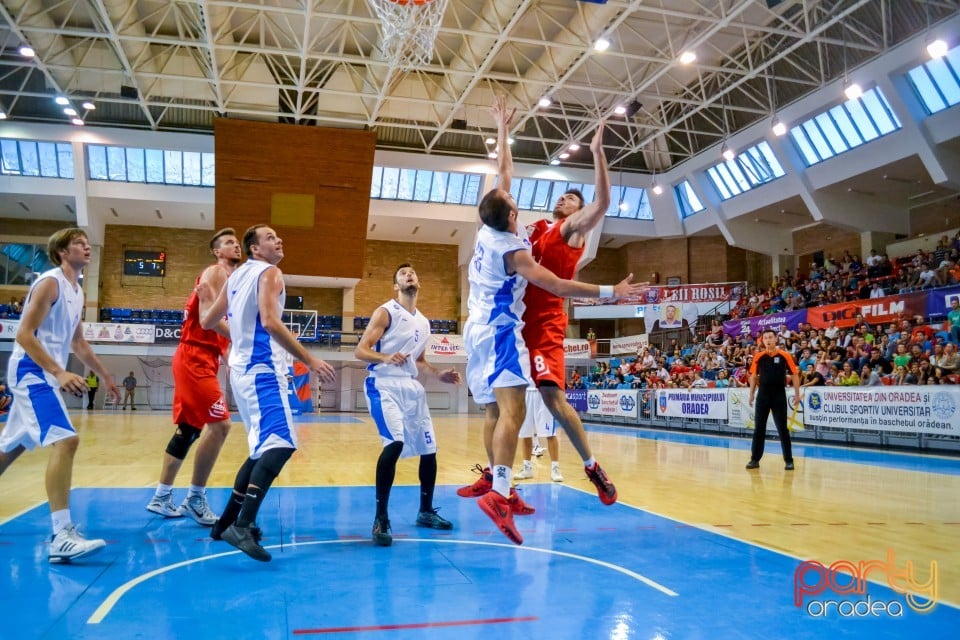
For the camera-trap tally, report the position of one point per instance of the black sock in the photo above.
(264, 472)
(428, 480)
(240, 482)
(386, 471)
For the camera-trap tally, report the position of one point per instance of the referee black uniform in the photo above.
(768, 374)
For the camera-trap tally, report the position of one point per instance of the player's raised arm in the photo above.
(584, 220)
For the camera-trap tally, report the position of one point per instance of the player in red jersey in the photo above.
(198, 402)
(558, 246)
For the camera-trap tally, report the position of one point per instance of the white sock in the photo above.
(501, 480)
(196, 490)
(527, 464)
(61, 520)
(555, 464)
(164, 489)
(589, 462)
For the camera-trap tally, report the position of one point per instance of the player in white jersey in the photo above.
(538, 423)
(36, 373)
(253, 298)
(394, 343)
(498, 367)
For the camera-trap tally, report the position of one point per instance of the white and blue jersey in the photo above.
(408, 333)
(396, 399)
(38, 415)
(258, 372)
(496, 353)
(251, 348)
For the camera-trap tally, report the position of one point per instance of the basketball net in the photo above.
(410, 29)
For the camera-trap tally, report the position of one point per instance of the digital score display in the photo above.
(144, 263)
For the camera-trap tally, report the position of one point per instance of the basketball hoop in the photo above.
(410, 29)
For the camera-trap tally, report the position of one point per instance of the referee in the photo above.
(768, 373)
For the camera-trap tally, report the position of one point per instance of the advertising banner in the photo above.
(692, 403)
(616, 403)
(110, 332)
(926, 409)
(741, 414)
(446, 345)
(8, 329)
(628, 345)
(712, 292)
(939, 300)
(753, 326)
(577, 399)
(576, 349)
(875, 311)
(167, 332)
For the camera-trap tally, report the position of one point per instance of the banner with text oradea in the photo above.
(926, 409)
(875, 311)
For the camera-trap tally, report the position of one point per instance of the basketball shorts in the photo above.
(38, 415)
(544, 336)
(496, 358)
(398, 406)
(539, 421)
(261, 398)
(197, 397)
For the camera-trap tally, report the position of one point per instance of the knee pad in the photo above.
(182, 440)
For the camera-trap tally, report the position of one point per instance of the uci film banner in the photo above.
(875, 311)
(741, 414)
(614, 402)
(628, 344)
(907, 409)
(692, 403)
(576, 349)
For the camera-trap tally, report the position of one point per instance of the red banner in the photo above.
(874, 311)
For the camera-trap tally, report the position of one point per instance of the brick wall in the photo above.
(436, 265)
(827, 238)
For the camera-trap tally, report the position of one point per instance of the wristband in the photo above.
(606, 291)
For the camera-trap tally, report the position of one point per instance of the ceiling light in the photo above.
(574, 146)
(620, 110)
(70, 111)
(3, 115)
(490, 141)
(89, 106)
(687, 57)
(60, 100)
(27, 52)
(77, 121)
(564, 155)
(657, 189)
(492, 155)
(602, 44)
(852, 90)
(510, 140)
(544, 102)
(554, 162)
(728, 153)
(779, 128)
(624, 206)
(937, 49)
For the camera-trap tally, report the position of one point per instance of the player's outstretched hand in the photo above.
(323, 370)
(501, 114)
(72, 383)
(627, 288)
(450, 376)
(596, 144)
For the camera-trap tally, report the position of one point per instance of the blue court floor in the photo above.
(584, 571)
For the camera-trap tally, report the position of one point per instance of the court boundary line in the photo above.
(105, 607)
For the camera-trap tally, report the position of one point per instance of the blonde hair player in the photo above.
(49, 332)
